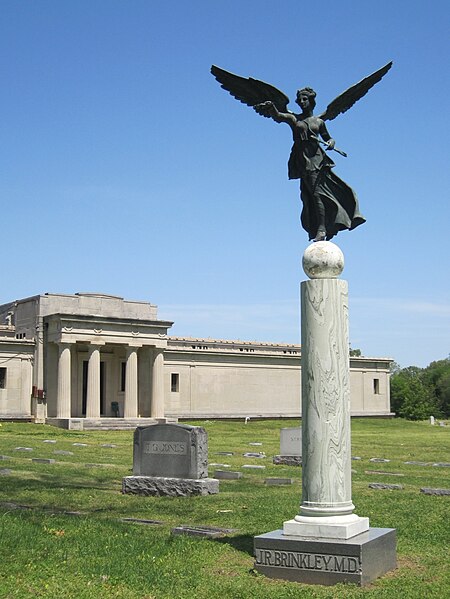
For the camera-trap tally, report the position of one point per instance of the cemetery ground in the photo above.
(64, 533)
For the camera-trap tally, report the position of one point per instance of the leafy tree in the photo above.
(417, 401)
(355, 352)
(411, 396)
(437, 378)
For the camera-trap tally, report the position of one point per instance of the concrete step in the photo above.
(117, 424)
(107, 424)
(122, 424)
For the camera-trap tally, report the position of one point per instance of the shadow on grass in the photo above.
(242, 543)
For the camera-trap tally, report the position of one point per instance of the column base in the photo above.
(334, 527)
(359, 560)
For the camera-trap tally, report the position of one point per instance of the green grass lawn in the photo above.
(46, 551)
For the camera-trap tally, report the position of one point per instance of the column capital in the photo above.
(94, 343)
(133, 345)
(64, 344)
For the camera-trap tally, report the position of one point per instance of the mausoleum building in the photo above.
(92, 357)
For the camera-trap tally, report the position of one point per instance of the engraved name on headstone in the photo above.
(307, 561)
(165, 448)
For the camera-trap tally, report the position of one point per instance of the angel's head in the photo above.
(306, 98)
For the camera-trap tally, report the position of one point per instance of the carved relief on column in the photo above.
(93, 383)
(131, 384)
(157, 408)
(63, 400)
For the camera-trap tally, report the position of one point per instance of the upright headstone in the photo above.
(326, 542)
(170, 459)
(290, 447)
(432, 420)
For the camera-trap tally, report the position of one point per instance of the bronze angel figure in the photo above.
(329, 204)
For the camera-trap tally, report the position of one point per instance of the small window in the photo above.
(175, 382)
(2, 378)
(376, 386)
(123, 376)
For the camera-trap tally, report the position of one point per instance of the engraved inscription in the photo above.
(165, 447)
(307, 561)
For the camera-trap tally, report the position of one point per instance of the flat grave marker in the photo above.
(253, 467)
(253, 454)
(385, 486)
(428, 491)
(227, 474)
(278, 481)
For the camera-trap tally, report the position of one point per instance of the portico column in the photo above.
(93, 383)
(63, 400)
(131, 384)
(157, 408)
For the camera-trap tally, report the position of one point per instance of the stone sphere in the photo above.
(323, 260)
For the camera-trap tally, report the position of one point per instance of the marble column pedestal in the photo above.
(326, 542)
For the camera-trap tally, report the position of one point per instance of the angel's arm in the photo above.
(325, 135)
(266, 99)
(270, 110)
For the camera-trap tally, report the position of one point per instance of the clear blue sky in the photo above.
(125, 169)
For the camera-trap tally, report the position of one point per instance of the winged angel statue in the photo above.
(329, 204)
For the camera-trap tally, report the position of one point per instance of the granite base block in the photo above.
(170, 487)
(358, 560)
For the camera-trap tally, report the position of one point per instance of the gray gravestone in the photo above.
(171, 450)
(170, 459)
(291, 441)
(359, 559)
(290, 447)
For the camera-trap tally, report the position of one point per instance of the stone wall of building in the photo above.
(220, 379)
(16, 366)
(50, 342)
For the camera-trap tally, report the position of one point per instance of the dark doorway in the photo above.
(102, 387)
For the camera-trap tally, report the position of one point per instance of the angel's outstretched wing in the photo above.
(250, 91)
(346, 100)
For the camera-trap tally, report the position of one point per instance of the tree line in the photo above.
(418, 393)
